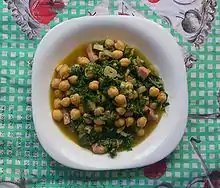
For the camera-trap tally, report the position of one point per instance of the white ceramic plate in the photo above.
(155, 43)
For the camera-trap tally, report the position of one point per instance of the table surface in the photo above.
(22, 25)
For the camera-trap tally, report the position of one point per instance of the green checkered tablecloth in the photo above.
(20, 151)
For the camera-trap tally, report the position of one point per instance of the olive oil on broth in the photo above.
(69, 60)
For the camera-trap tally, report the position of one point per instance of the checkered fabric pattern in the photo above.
(20, 151)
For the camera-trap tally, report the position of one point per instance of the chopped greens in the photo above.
(109, 98)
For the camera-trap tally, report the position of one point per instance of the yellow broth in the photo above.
(70, 60)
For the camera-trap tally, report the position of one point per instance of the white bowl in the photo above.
(155, 43)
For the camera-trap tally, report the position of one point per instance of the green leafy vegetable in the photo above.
(99, 127)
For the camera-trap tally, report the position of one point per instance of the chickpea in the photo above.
(65, 102)
(75, 114)
(75, 99)
(120, 122)
(73, 79)
(154, 92)
(112, 92)
(98, 149)
(129, 85)
(55, 83)
(57, 104)
(64, 71)
(162, 97)
(58, 93)
(82, 61)
(109, 43)
(64, 85)
(140, 132)
(121, 111)
(153, 105)
(98, 111)
(94, 85)
(125, 62)
(119, 45)
(99, 122)
(117, 54)
(129, 121)
(141, 122)
(98, 129)
(57, 115)
(121, 100)
(58, 67)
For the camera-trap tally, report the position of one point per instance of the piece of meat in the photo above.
(143, 72)
(151, 116)
(98, 149)
(91, 54)
(66, 118)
